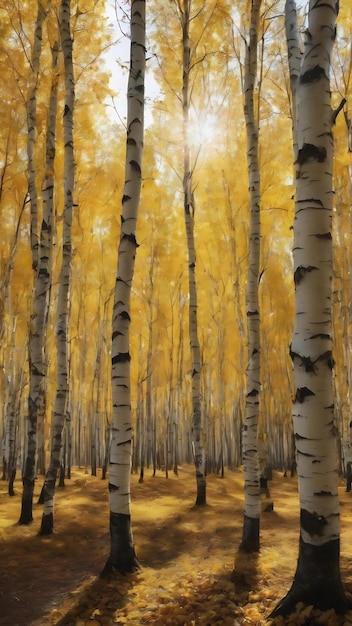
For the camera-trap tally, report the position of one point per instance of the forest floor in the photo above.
(187, 556)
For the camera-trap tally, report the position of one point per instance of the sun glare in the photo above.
(203, 130)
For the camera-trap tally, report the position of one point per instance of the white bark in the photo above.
(61, 396)
(294, 62)
(252, 503)
(313, 411)
(198, 436)
(32, 128)
(317, 580)
(121, 443)
(36, 361)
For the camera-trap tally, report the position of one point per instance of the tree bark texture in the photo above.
(62, 390)
(294, 62)
(122, 554)
(252, 502)
(198, 436)
(317, 579)
(36, 362)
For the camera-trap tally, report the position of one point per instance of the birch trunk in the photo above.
(12, 382)
(36, 359)
(189, 208)
(122, 553)
(294, 62)
(317, 579)
(252, 502)
(13, 404)
(61, 396)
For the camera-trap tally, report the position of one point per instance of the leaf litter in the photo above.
(191, 571)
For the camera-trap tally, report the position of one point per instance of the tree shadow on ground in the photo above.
(100, 599)
(158, 547)
(245, 574)
(160, 544)
(209, 601)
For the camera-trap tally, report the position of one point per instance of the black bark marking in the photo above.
(131, 238)
(135, 166)
(125, 198)
(317, 580)
(311, 200)
(43, 273)
(123, 443)
(313, 523)
(301, 271)
(135, 121)
(113, 488)
(122, 357)
(313, 75)
(252, 313)
(310, 152)
(253, 393)
(124, 316)
(122, 554)
(47, 525)
(327, 358)
(324, 236)
(250, 537)
(116, 334)
(35, 370)
(308, 364)
(302, 393)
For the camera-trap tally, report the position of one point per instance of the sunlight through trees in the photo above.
(238, 317)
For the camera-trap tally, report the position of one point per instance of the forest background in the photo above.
(161, 372)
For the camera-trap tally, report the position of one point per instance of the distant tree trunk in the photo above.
(252, 502)
(294, 62)
(93, 444)
(317, 580)
(150, 450)
(189, 209)
(12, 381)
(37, 369)
(122, 553)
(106, 450)
(62, 472)
(61, 396)
(69, 445)
(12, 407)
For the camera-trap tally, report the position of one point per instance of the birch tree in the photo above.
(36, 352)
(122, 553)
(317, 580)
(252, 504)
(294, 62)
(61, 396)
(189, 209)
